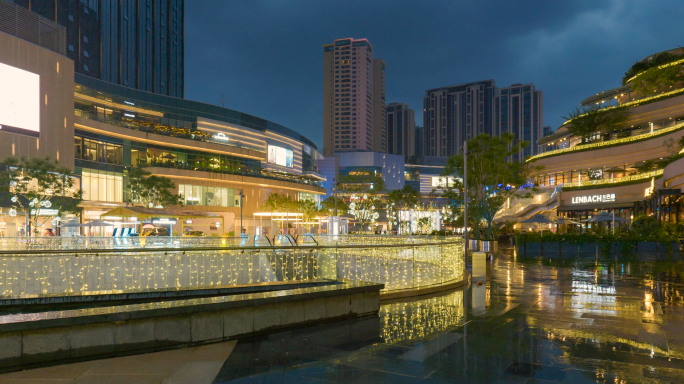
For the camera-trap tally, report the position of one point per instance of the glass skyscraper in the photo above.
(134, 43)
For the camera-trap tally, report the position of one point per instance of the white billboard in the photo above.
(19, 101)
(280, 156)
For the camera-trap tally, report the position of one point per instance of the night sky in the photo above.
(266, 57)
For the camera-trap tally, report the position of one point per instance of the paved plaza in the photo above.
(612, 321)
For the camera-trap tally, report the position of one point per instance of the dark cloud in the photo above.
(266, 56)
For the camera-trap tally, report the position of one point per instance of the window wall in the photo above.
(101, 185)
(98, 151)
(209, 196)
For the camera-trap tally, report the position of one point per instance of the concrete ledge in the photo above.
(39, 339)
(404, 293)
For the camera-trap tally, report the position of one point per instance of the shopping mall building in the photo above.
(100, 130)
(632, 171)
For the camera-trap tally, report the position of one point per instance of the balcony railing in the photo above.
(160, 129)
(226, 170)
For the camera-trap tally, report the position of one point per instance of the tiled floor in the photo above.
(613, 321)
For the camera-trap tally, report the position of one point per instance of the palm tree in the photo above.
(593, 120)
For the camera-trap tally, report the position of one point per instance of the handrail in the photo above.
(148, 250)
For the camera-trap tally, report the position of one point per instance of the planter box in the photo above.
(568, 249)
(551, 249)
(647, 248)
(473, 245)
(674, 248)
(532, 249)
(587, 249)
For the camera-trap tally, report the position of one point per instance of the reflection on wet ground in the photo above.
(534, 321)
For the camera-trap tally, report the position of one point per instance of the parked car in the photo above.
(156, 231)
(193, 234)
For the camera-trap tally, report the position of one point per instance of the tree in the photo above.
(591, 121)
(150, 190)
(329, 206)
(309, 210)
(492, 178)
(276, 202)
(39, 185)
(360, 188)
(399, 200)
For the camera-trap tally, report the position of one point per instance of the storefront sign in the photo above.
(607, 198)
(45, 212)
(220, 136)
(164, 221)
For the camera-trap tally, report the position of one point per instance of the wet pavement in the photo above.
(533, 321)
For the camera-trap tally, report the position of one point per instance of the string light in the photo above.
(409, 263)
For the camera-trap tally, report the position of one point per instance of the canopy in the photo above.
(538, 218)
(70, 224)
(98, 223)
(605, 217)
(563, 220)
(143, 213)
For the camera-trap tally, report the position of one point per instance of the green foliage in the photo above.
(152, 190)
(329, 206)
(493, 177)
(361, 188)
(276, 202)
(656, 61)
(656, 81)
(309, 210)
(591, 121)
(39, 183)
(401, 200)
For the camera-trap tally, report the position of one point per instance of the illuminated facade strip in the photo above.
(166, 143)
(80, 96)
(641, 176)
(621, 141)
(656, 68)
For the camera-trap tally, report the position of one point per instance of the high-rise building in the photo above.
(401, 130)
(353, 97)
(419, 141)
(454, 114)
(518, 109)
(134, 43)
(379, 116)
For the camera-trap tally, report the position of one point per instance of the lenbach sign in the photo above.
(606, 198)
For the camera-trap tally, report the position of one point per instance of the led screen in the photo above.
(19, 101)
(280, 156)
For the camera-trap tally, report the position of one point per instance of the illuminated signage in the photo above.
(129, 102)
(280, 156)
(220, 136)
(19, 101)
(45, 212)
(163, 221)
(607, 198)
(130, 115)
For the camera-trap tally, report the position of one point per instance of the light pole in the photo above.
(241, 197)
(465, 196)
(335, 194)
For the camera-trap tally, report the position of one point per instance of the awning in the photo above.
(588, 207)
(143, 213)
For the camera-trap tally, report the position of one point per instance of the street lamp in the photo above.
(465, 196)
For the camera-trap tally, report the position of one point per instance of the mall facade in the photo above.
(100, 130)
(636, 170)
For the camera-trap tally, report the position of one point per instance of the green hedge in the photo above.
(584, 238)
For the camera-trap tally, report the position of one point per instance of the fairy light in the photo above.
(409, 265)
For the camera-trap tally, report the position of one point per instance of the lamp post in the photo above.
(241, 197)
(465, 196)
(335, 194)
